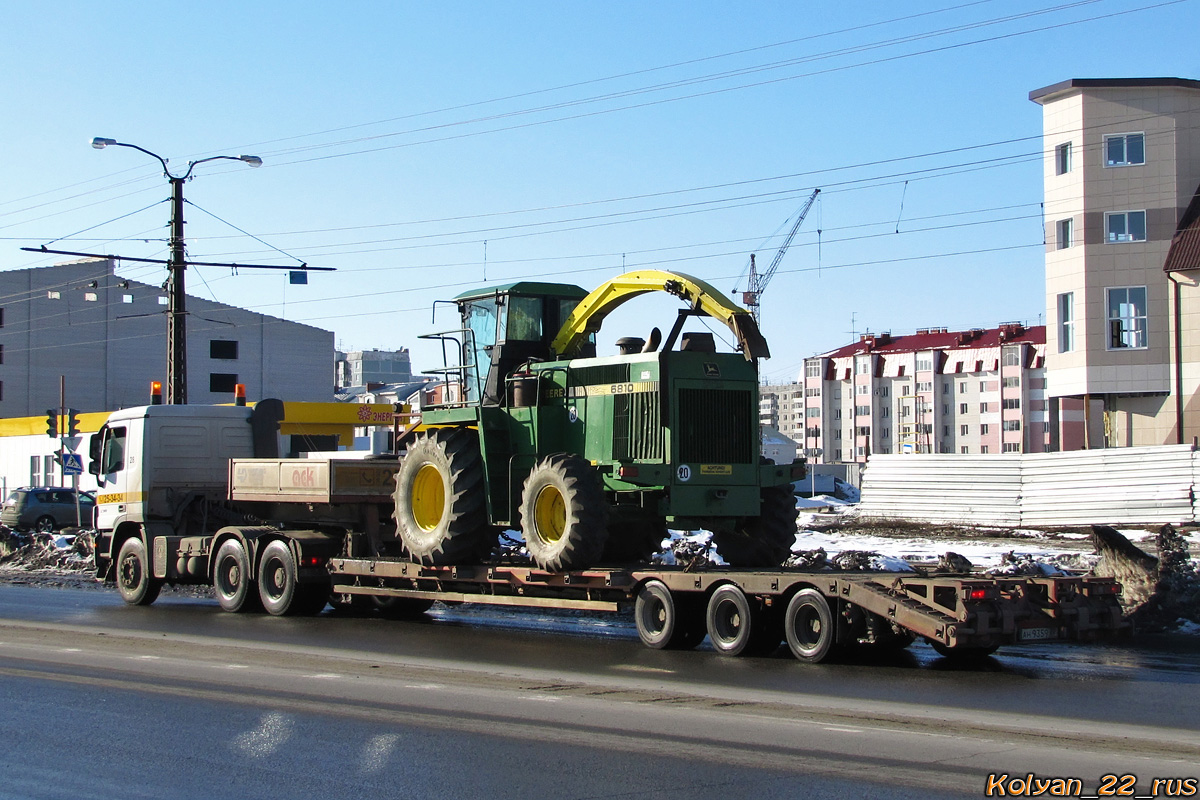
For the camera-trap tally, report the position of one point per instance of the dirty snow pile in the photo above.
(69, 550)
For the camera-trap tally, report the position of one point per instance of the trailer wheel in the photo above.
(135, 581)
(564, 515)
(666, 621)
(441, 500)
(765, 540)
(735, 627)
(233, 581)
(808, 625)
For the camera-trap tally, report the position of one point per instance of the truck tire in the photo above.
(441, 500)
(808, 626)
(279, 587)
(564, 515)
(233, 578)
(765, 540)
(634, 535)
(736, 627)
(667, 621)
(135, 580)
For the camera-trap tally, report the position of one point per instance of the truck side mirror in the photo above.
(94, 442)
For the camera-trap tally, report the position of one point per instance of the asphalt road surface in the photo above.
(183, 700)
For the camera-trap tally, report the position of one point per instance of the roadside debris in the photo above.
(1157, 593)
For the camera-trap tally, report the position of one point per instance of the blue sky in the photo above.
(573, 139)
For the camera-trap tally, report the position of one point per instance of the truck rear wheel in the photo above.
(808, 625)
(765, 540)
(667, 621)
(135, 581)
(233, 582)
(564, 515)
(441, 500)
(279, 586)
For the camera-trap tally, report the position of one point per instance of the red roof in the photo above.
(1185, 244)
(942, 339)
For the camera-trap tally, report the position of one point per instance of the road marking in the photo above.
(324, 675)
(236, 666)
(71, 650)
(843, 730)
(423, 686)
(636, 668)
(145, 658)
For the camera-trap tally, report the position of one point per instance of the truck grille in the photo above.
(637, 427)
(717, 426)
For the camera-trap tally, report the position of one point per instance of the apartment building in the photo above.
(933, 391)
(1122, 176)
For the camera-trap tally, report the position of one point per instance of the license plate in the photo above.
(1033, 634)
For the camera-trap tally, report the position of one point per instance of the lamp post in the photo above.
(176, 264)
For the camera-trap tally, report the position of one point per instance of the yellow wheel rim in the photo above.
(428, 497)
(550, 514)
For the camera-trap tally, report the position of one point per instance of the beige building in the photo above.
(1122, 166)
(933, 391)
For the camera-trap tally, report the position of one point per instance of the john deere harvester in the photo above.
(593, 456)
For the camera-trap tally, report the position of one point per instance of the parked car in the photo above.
(46, 508)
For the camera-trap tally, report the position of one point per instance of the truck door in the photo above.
(108, 464)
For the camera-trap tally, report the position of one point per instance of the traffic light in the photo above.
(72, 422)
(52, 423)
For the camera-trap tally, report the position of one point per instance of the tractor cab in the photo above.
(504, 327)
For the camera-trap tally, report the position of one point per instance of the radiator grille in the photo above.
(717, 426)
(637, 427)
(604, 373)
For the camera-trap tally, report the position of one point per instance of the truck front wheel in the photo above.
(135, 581)
(441, 500)
(564, 514)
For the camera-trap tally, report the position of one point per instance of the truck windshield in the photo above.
(479, 318)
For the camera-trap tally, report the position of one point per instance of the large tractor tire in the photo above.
(441, 500)
(564, 515)
(765, 540)
(633, 535)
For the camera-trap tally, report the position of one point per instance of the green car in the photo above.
(46, 509)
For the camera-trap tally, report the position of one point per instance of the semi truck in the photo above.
(591, 458)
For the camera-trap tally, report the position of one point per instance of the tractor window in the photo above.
(524, 319)
(479, 317)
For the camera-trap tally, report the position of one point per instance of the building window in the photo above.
(925, 386)
(1062, 159)
(962, 408)
(883, 390)
(983, 408)
(886, 411)
(862, 411)
(862, 389)
(945, 388)
(1066, 229)
(837, 455)
(984, 449)
(983, 429)
(813, 369)
(53, 295)
(864, 430)
(89, 297)
(812, 412)
(837, 434)
(1, 354)
(1125, 226)
(837, 413)
(222, 382)
(924, 364)
(127, 298)
(1012, 447)
(162, 299)
(1012, 402)
(1124, 149)
(220, 348)
(1066, 322)
(945, 430)
(1012, 383)
(862, 366)
(963, 430)
(1126, 317)
(814, 391)
(812, 433)
(964, 450)
(962, 387)
(983, 386)
(1, 317)
(1011, 357)
(945, 409)
(1012, 424)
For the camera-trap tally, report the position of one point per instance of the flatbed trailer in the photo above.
(748, 612)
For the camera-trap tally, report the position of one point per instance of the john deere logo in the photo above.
(711, 370)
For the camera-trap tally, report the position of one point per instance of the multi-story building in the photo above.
(359, 368)
(106, 336)
(1122, 167)
(934, 391)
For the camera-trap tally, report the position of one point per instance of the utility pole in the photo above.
(176, 301)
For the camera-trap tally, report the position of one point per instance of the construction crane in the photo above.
(756, 283)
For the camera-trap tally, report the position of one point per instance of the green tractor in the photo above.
(592, 457)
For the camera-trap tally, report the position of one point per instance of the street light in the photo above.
(176, 264)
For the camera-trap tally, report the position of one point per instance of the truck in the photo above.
(591, 458)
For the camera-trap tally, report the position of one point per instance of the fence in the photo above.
(1119, 486)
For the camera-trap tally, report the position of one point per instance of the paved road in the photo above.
(100, 696)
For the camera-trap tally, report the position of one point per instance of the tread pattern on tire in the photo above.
(586, 530)
(464, 535)
(765, 540)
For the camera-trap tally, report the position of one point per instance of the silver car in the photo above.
(46, 508)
